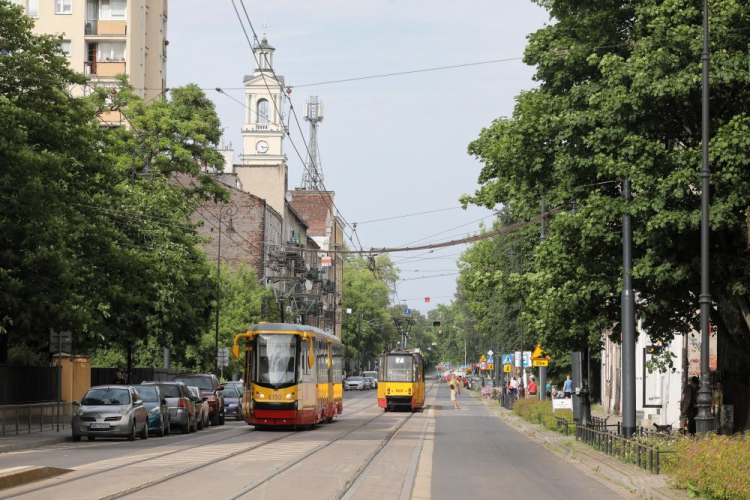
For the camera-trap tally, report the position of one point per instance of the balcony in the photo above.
(103, 27)
(107, 69)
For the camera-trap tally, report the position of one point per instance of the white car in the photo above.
(355, 383)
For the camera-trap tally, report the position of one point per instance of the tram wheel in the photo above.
(329, 419)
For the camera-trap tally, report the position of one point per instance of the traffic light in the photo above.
(654, 349)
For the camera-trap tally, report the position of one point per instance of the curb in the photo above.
(17, 476)
(27, 445)
(650, 487)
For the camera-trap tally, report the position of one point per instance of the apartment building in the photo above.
(105, 38)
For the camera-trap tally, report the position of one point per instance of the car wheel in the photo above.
(215, 419)
(221, 418)
(160, 432)
(186, 428)
(168, 428)
(131, 436)
(200, 424)
(144, 432)
(195, 424)
(90, 438)
(239, 417)
(76, 439)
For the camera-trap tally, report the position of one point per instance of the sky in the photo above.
(388, 146)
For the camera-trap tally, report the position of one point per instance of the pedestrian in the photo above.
(118, 378)
(532, 386)
(548, 390)
(514, 387)
(553, 392)
(568, 387)
(717, 400)
(688, 406)
(453, 395)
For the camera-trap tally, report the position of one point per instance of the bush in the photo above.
(537, 411)
(711, 467)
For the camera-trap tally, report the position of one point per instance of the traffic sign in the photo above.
(526, 359)
(60, 341)
(482, 365)
(507, 359)
(223, 356)
(507, 368)
(540, 362)
(407, 311)
(539, 353)
(482, 359)
(490, 359)
(491, 366)
(490, 352)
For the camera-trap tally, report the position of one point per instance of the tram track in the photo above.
(176, 474)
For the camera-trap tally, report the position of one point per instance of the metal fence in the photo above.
(105, 376)
(634, 451)
(35, 417)
(28, 384)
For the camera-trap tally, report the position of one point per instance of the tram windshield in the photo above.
(398, 368)
(277, 360)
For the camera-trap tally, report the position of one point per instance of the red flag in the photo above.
(427, 299)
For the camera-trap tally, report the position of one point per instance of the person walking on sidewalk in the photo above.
(532, 386)
(453, 395)
(688, 406)
(568, 387)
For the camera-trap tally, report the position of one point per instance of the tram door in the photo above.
(330, 406)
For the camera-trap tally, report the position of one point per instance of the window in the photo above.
(111, 51)
(262, 112)
(65, 46)
(63, 6)
(112, 9)
(32, 8)
(399, 368)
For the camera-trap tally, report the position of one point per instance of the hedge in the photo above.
(712, 468)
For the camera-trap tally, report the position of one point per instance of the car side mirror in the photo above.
(220, 388)
(76, 403)
(138, 402)
(163, 401)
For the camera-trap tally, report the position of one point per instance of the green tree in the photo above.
(619, 97)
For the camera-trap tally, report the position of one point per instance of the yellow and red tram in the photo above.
(292, 375)
(401, 381)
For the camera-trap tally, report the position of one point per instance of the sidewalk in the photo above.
(642, 483)
(25, 441)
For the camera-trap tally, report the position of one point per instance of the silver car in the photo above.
(110, 411)
(355, 383)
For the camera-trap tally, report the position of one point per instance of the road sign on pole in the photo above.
(539, 362)
(507, 368)
(507, 359)
(60, 341)
(223, 356)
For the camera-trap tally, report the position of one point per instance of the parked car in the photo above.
(373, 383)
(237, 384)
(111, 411)
(355, 383)
(180, 404)
(201, 407)
(211, 388)
(158, 411)
(233, 402)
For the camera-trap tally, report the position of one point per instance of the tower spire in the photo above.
(312, 176)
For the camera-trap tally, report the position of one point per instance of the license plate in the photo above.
(99, 426)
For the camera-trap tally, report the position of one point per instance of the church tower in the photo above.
(263, 170)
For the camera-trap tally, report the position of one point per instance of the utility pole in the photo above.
(359, 342)
(542, 389)
(703, 420)
(627, 320)
(227, 210)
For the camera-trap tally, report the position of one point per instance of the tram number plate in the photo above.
(274, 396)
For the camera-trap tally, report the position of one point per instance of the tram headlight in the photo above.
(289, 396)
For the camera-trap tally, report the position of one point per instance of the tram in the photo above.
(293, 375)
(401, 381)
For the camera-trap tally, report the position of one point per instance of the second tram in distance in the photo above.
(292, 374)
(401, 379)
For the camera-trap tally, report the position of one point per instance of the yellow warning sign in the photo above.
(483, 359)
(490, 366)
(539, 353)
(539, 362)
(507, 368)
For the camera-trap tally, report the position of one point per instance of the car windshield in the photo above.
(201, 382)
(231, 392)
(277, 360)
(354, 379)
(170, 390)
(106, 396)
(148, 394)
(398, 368)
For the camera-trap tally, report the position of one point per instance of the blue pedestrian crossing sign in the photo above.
(407, 311)
(507, 359)
(490, 359)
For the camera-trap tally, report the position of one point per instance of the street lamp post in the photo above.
(703, 420)
(228, 210)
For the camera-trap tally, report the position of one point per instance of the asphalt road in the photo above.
(477, 455)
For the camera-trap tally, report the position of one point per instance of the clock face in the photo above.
(261, 147)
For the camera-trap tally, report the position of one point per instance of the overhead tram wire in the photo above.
(291, 110)
(407, 215)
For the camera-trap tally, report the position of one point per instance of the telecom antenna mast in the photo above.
(312, 176)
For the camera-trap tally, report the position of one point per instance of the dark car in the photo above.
(233, 402)
(158, 411)
(211, 389)
(201, 407)
(180, 404)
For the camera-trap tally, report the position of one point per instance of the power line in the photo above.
(406, 215)
(451, 229)
(428, 277)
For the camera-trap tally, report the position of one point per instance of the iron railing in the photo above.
(28, 418)
(634, 451)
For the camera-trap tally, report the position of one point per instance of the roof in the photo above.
(286, 327)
